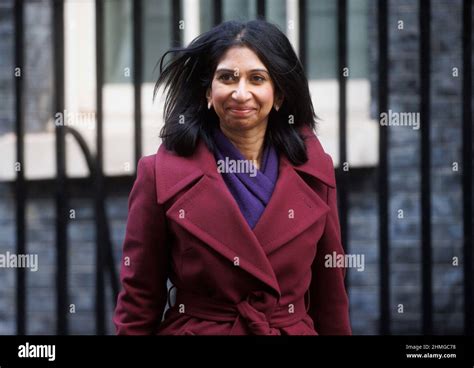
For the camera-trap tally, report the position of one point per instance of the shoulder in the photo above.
(145, 176)
(320, 163)
(312, 140)
(174, 172)
(147, 163)
(146, 167)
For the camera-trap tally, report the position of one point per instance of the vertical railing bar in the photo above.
(137, 75)
(425, 59)
(109, 246)
(99, 185)
(467, 168)
(383, 169)
(61, 179)
(342, 63)
(261, 9)
(302, 31)
(176, 16)
(20, 188)
(217, 12)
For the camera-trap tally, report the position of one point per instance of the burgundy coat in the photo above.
(184, 224)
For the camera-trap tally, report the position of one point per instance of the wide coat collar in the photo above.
(207, 209)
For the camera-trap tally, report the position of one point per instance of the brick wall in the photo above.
(404, 165)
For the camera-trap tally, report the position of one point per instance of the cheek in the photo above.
(219, 93)
(265, 97)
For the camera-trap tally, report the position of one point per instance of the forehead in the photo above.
(240, 57)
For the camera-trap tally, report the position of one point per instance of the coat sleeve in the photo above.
(145, 261)
(329, 305)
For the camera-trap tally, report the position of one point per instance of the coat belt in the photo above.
(258, 314)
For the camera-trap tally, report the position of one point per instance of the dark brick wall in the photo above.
(40, 213)
(404, 162)
(37, 73)
(6, 72)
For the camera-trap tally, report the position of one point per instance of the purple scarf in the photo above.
(250, 187)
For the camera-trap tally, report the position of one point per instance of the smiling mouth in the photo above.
(241, 111)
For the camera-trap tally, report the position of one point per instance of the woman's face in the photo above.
(242, 93)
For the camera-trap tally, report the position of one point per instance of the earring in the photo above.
(276, 107)
(209, 104)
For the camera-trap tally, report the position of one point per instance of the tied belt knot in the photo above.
(257, 314)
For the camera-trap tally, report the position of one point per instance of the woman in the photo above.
(238, 207)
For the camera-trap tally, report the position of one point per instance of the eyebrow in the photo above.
(233, 70)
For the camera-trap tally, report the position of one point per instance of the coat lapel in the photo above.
(212, 215)
(293, 208)
(208, 210)
(294, 205)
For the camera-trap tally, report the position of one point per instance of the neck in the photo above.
(248, 142)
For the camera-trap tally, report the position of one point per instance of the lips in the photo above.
(240, 110)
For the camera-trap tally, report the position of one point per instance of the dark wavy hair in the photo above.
(188, 75)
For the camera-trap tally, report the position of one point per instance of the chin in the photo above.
(243, 123)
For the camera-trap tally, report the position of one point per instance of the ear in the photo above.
(278, 101)
(208, 98)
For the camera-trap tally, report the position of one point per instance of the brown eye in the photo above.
(258, 78)
(227, 77)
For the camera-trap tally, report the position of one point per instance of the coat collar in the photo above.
(319, 166)
(206, 207)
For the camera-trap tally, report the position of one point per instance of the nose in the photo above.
(241, 94)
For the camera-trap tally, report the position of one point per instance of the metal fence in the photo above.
(104, 255)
